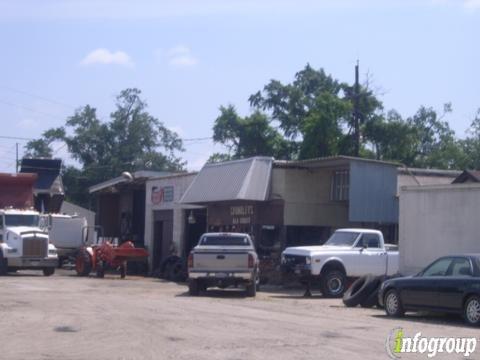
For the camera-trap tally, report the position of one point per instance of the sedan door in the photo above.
(421, 291)
(452, 287)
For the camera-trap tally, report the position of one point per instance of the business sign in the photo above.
(242, 215)
(162, 194)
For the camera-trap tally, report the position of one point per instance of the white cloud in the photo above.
(472, 4)
(181, 56)
(107, 57)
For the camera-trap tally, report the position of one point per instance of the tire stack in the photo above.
(363, 292)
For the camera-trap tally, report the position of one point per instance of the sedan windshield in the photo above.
(225, 241)
(22, 220)
(342, 238)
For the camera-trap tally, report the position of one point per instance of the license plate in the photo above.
(220, 275)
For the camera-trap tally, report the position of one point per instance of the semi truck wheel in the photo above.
(3, 265)
(48, 271)
(83, 263)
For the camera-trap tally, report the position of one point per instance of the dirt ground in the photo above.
(66, 317)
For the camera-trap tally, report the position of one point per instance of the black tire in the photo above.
(372, 299)
(202, 286)
(471, 310)
(193, 288)
(48, 271)
(83, 263)
(100, 270)
(333, 283)
(393, 304)
(252, 289)
(360, 290)
(177, 271)
(3, 265)
(123, 270)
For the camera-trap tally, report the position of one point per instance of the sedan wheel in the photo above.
(393, 304)
(472, 310)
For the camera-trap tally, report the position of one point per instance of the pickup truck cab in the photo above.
(348, 253)
(222, 260)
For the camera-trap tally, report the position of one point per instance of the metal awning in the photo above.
(246, 179)
(138, 176)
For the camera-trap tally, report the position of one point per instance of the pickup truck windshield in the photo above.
(225, 241)
(22, 220)
(342, 238)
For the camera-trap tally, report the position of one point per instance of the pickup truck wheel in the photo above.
(333, 283)
(393, 304)
(193, 288)
(3, 265)
(471, 310)
(48, 271)
(252, 289)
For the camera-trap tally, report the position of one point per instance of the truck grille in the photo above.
(292, 260)
(35, 247)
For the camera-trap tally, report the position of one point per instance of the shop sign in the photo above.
(242, 214)
(162, 194)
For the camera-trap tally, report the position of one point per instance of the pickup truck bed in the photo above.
(222, 260)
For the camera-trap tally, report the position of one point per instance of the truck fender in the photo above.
(334, 262)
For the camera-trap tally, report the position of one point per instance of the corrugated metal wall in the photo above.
(373, 189)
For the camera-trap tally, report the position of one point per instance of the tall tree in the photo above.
(247, 136)
(132, 140)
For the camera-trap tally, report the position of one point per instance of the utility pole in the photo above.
(16, 159)
(356, 113)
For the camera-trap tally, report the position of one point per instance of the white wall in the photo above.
(436, 221)
(180, 183)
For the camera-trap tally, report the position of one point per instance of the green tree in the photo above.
(132, 140)
(247, 136)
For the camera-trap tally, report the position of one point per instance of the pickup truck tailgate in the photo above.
(220, 261)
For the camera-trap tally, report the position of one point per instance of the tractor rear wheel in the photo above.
(83, 263)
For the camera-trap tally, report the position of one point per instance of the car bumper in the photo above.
(32, 263)
(300, 271)
(220, 275)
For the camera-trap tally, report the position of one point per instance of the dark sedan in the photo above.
(451, 284)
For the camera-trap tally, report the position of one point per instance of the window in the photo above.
(340, 185)
(438, 268)
(461, 267)
(224, 241)
(342, 238)
(369, 241)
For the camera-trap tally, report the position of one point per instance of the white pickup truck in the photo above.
(222, 260)
(348, 253)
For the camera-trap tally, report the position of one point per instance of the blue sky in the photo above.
(189, 57)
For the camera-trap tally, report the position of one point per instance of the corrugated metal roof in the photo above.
(246, 179)
(337, 160)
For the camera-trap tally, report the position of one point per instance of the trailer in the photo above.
(101, 257)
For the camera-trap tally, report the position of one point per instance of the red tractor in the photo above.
(105, 256)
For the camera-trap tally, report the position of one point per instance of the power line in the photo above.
(16, 138)
(38, 97)
(30, 109)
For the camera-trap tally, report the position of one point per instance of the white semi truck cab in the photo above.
(24, 244)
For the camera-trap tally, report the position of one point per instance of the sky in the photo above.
(189, 57)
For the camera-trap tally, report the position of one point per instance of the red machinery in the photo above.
(103, 256)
